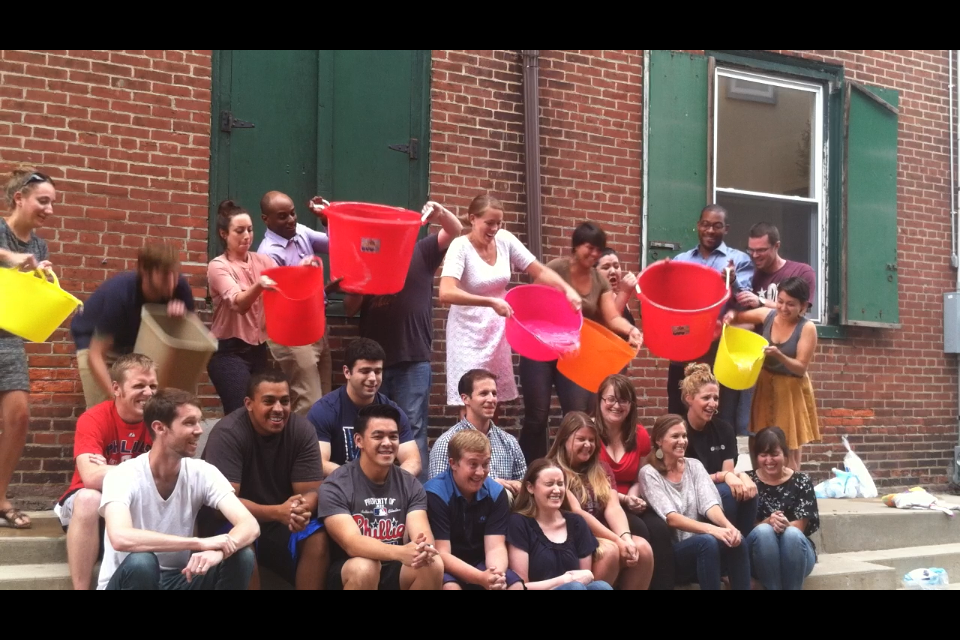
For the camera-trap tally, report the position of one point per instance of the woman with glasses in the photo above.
(626, 560)
(30, 197)
(539, 378)
(783, 395)
(624, 444)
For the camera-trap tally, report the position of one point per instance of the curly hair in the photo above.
(697, 375)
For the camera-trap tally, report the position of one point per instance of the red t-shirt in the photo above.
(101, 430)
(627, 470)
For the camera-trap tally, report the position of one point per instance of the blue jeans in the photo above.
(538, 380)
(408, 384)
(141, 572)
(735, 409)
(742, 515)
(780, 561)
(596, 585)
(703, 559)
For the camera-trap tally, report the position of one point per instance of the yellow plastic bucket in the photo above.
(32, 307)
(739, 358)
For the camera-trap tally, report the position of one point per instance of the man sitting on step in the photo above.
(107, 434)
(271, 458)
(151, 503)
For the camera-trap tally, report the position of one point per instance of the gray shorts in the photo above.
(13, 364)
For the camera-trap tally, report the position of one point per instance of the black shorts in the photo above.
(279, 550)
(389, 575)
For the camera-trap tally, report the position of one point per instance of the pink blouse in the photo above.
(227, 279)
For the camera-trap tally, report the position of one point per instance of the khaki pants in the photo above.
(92, 393)
(309, 370)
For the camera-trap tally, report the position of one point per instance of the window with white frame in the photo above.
(768, 164)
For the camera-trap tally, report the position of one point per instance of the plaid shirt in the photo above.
(506, 458)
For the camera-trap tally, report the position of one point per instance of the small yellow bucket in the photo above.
(739, 358)
(32, 307)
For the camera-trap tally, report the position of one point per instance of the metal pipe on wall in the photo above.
(531, 147)
(954, 241)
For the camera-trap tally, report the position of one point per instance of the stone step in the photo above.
(43, 543)
(840, 572)
(35, 577)
(904, 560)
(869, 525)
(949, 587)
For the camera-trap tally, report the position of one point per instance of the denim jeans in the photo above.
(538, 380)
(596, 585)
(780, 561)
(742, 515)
(141, 572)
(703, 559)
(408, 384)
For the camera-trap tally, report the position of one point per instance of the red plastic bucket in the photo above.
(295, 312)
(680, 305)
(371, 246)
(542, 325)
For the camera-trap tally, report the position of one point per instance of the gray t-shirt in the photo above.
(131, 484)
(692, 497)
(380, 510)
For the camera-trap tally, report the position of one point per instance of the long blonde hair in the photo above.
(590, 474)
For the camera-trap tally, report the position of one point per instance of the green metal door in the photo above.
(318, 123)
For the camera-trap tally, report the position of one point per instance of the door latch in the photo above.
(228, 122)
(412, 149)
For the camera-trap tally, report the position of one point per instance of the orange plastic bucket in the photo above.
(680, 305)
(371, 246)
(294, 311)
(602, 353)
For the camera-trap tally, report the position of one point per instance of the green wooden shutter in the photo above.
(677, 139)
(869, 257)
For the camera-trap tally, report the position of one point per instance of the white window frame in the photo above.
(818, 180)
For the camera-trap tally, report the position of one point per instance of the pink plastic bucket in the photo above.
(543, 325)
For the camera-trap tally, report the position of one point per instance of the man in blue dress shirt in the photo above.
(712, 252)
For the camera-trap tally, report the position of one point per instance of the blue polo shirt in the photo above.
(114, 311)
(464, 523)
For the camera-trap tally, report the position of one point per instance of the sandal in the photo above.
(15, 518)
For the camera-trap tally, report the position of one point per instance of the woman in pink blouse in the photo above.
(234, 280)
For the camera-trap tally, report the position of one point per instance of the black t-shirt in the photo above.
(548, 559)
(712, 446)
(402, 323)
(114, 311)
(265, 466)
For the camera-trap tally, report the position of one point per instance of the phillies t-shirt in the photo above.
(379, 510)
(766, 285)
(102, 431)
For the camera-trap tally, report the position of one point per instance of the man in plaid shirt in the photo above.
(478, 390)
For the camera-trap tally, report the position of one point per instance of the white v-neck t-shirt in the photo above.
(475, 335)
(131, 483)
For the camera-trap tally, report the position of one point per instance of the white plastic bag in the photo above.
(933, 579)
(855, 465)
(843, 484)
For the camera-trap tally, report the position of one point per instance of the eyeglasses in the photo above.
(716, 226)
(612, 400)
(758, 252)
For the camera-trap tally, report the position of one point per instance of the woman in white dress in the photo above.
(474, 280)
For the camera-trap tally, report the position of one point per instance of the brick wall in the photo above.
(126, 137)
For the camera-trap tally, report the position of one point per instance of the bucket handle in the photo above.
(728, 270)
(45, 275)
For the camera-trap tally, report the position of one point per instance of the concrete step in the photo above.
(906, 559)
(949, 587)
(869, 525)
(840, 572)
(35, 577)
(43, 543)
